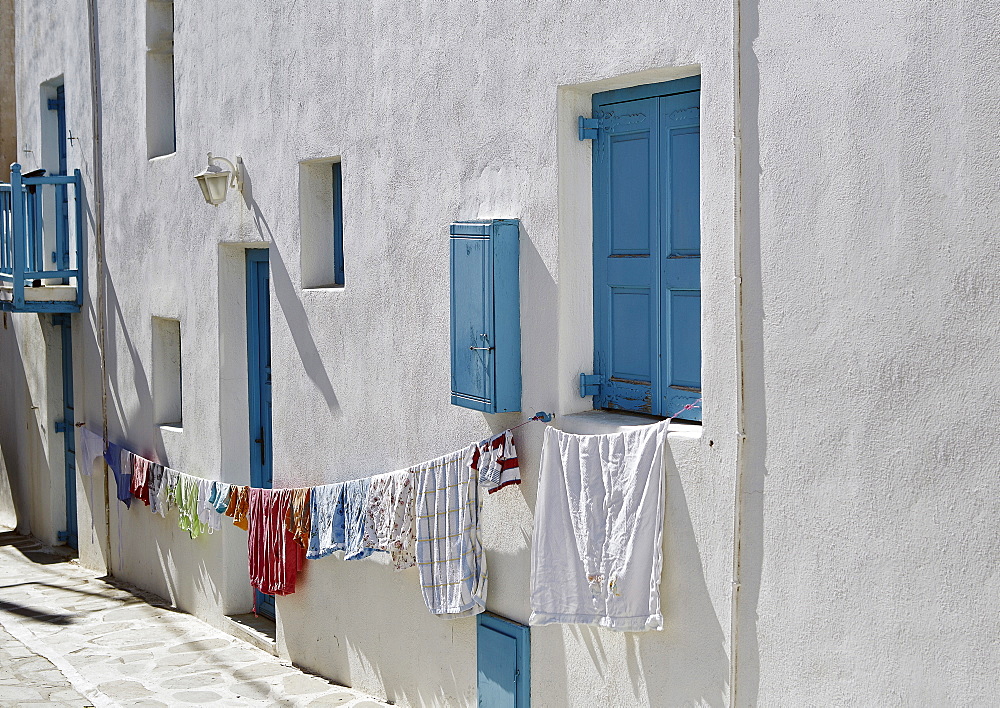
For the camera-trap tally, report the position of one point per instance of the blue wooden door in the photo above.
(58, 104)
(259, 377)
(647, 300)
(68, 428)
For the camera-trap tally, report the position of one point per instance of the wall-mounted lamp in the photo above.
(214, 183)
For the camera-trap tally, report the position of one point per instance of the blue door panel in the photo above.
(685, 328)
(259, 380)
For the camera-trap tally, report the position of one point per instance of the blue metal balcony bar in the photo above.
(41, 246)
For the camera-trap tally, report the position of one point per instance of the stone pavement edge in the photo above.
(68, 638)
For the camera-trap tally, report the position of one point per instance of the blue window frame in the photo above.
(503, 659)
(338, 225)
(647, 247)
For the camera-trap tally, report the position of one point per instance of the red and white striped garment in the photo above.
(495, 462)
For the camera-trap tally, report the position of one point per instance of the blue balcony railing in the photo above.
(41, 242)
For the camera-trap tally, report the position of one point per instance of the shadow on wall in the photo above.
(291, 306)
(751, 538)
(14, 385)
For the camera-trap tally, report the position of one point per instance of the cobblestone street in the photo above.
(69, 638)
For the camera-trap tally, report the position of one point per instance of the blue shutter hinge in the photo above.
(590, 384)
(56, 103)
(61, 426)
(588, 128)
(62, 536)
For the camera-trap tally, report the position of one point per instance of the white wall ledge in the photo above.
(599, 422)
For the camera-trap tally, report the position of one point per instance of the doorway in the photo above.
(259, 377)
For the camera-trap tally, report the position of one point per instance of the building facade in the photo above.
(830, 533)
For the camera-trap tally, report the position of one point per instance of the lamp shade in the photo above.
(213, 186)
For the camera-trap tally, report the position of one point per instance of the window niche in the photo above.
(321, 223)
(161, 134)
(167, 372)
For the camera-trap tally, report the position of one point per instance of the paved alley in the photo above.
(69, 638)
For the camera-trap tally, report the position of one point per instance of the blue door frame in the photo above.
(67, 426)
(259, 377)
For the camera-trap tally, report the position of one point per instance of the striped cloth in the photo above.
(450, 557)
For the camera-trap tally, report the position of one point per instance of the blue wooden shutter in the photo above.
(485, 315)
(626, 250)
(472, 320)
(647, 300)
(503, 661)
(681, 344)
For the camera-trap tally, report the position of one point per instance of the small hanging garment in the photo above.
(186, 500)
(155, 486)
(326, 531)
(495, 462)
(166, 494)
(123, 476)
(275, 557)
(389, 517)
(298, 520)
(596, 555)
(140, 477)
(90, 447)
(238, 505)
(207, 513)
(449, 553)
(220, 497)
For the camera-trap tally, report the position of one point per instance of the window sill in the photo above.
(172, 427)
(604, 422)
(157, 158)
(323, 288)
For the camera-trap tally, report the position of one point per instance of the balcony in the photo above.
(41, 242)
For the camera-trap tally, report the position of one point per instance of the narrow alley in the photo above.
(71, 638)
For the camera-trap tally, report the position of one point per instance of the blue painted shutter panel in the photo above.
(626, 249)
(647, 248)
(338, 225)
(472, 318)
(681, 204)
(503, 662)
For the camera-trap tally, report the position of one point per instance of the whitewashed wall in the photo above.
(866, 531)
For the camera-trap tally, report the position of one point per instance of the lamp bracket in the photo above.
(235, 170)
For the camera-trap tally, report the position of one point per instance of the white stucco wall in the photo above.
(868, 224)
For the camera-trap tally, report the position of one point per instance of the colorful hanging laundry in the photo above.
(596, 555)
(155, 488)
(239, 503)
(495, 462)
(298, 520)
(89, 447)
(449, 553)
(140, 476)
(207, 512)
(220, 497)
(123, 476)
(388, 517)
(275, 557)
(186, 499)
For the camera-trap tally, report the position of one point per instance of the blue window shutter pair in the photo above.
(485, 316)
(503, 660)
(647, 248)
